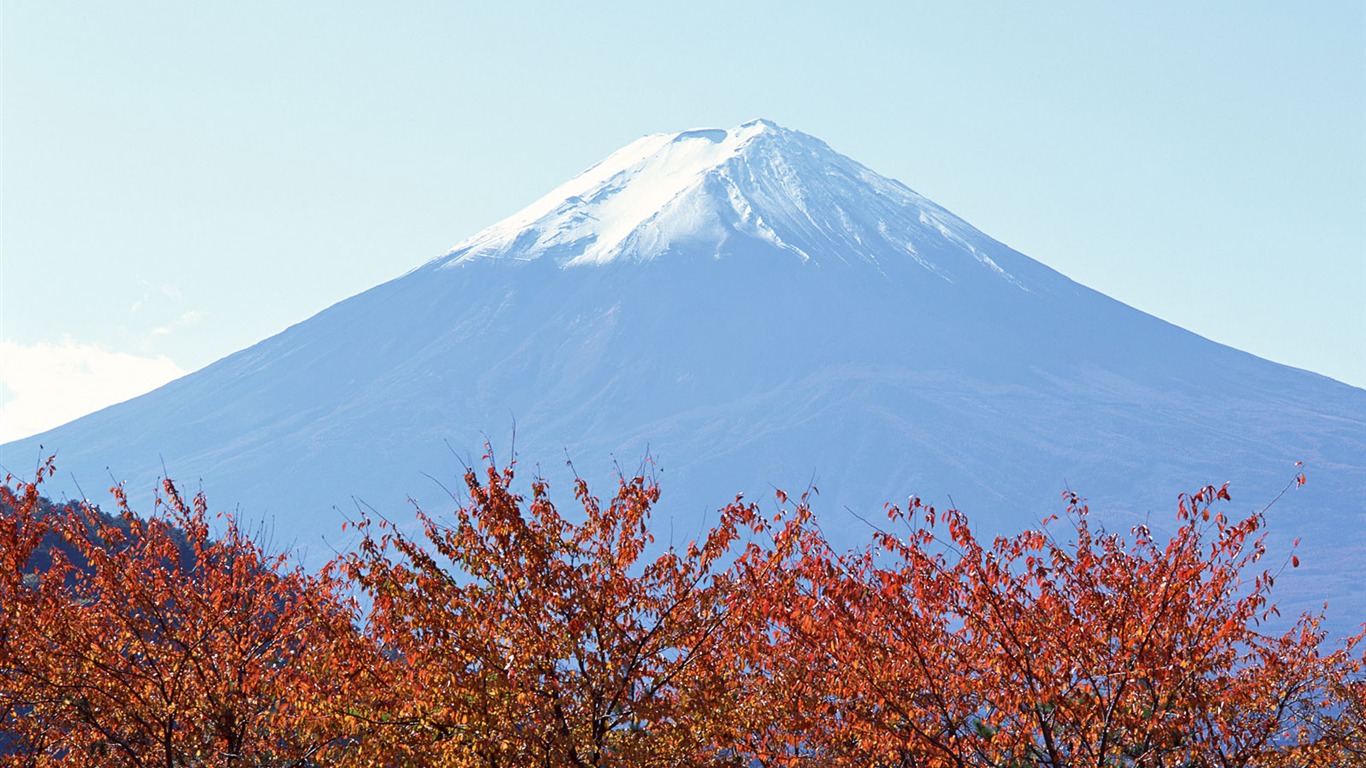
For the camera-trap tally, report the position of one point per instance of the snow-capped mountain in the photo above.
(711, 188)
(755, 310)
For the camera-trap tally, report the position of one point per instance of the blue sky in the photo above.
(181, 180)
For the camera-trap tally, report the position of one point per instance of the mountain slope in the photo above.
(755, 310)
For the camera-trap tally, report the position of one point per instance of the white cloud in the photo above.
(45, 385)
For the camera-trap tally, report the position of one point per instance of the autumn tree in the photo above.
(522, 637)
(930, 648)
(25, 600)
(170, 646)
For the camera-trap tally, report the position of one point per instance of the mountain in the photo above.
(754, 310)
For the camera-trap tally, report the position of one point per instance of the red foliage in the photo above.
(158, 652)
(519, 637)
(510, 634)
(930, 648)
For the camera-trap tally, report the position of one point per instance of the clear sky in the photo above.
(181, 180)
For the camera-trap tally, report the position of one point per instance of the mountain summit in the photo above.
(716, 192)
(751, 309)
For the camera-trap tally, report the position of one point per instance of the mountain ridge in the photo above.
(892, 360)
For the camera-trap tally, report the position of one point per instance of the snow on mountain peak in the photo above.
(709, 190)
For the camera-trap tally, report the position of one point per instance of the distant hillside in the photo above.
(52, 541)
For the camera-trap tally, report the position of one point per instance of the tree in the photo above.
(929, 648)
(152, 656)
(519, 637)
(25, 602)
